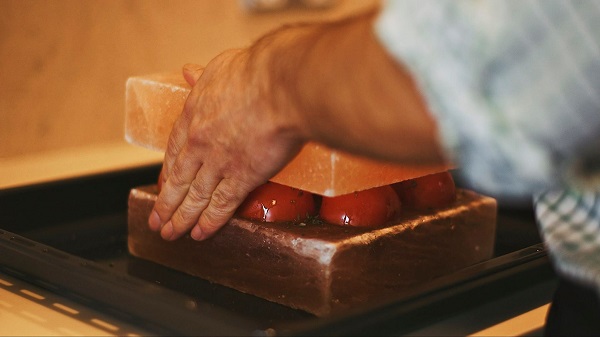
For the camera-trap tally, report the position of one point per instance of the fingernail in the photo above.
(196, 233)
(167, 231)
(154, 221)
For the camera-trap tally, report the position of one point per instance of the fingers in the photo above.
(177, 139)
(202, 202)
(197, 199)
(175, 188)
(226, 198)
(206, 207)
(179, 132)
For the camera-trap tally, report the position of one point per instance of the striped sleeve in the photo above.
(514, 86)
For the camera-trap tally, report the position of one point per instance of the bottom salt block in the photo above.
(325, 269)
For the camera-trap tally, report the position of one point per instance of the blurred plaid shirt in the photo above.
(515, 88)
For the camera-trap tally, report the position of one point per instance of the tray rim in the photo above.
(33, 256)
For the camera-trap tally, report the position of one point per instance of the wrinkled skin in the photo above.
(226, 142)
(251, 110)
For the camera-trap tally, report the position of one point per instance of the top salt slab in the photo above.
(154, 102)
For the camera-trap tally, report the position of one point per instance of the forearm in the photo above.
(342, 89)
(253, 109)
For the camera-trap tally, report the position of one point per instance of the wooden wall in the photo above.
(63, 63)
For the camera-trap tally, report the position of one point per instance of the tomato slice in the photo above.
(274, 202)
(428, 192)
(372, 207)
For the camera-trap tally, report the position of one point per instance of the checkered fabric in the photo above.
(570, 225)
(515, 88)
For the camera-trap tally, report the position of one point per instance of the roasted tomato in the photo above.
(274, 202)
(372, 207)
(428, 192)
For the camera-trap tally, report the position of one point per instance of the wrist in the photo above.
(276, 62)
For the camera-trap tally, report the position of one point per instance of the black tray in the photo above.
(69, 236)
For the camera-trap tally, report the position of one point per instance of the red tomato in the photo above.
(372, 207)
(427, 192)
(274, 202)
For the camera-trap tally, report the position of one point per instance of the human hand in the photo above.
(231, 137)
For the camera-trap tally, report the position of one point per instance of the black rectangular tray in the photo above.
(69, 236)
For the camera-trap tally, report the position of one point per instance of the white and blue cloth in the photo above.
(515, 88)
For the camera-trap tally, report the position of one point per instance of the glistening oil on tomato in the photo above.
(274, 202)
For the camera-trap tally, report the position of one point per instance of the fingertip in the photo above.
(191, 73)
(167, 231)
(154, 221)
(197, 233)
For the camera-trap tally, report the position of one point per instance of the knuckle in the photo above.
(194, 141)
(223, 198)
(183, 221)
(163, 208)
(219, 210)
(178, 227)
(186, 214)
(172, 147)
(198, 193)
(197, 139)
(176, 175)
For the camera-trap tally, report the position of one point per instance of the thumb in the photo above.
(192, 72)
